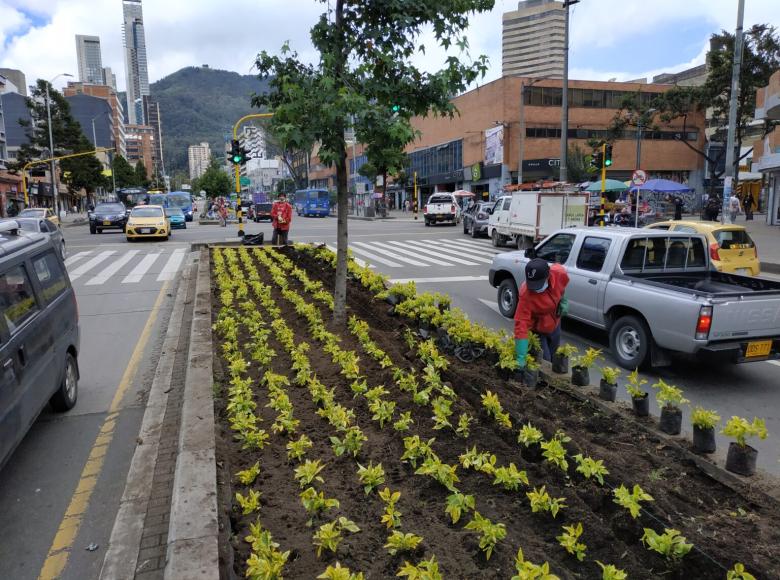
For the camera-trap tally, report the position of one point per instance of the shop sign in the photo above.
(476, 172)
(541, 164)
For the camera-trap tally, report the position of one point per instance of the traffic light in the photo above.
(236, 154)
(396, 108)
(607, 155)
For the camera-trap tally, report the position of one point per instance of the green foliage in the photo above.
(416, 448)
(704, 418)
(315, 502)
(567, 350)
(464, 425)
(591, 468)
(392, 517)
(441, 472)
(587, 359)
(404, 421)
(510, 477)
(328, 536)
(611, 572)
(668, 395)
(458, 504)
(610, 374)
(308, 472)
(483, 461)
(215, 182)
(489, 533)
(400, 542)
(555, 453)
(671, 544)
(529, 435)
(266, 562)
(248, 476)
(338, 572)
(529, 571)
(569, 541)
(424, 570)
(634, 386)
(740, 429)
(631, 500)
(492, 405)
(738, 572)
(297, 449)
(371, 476)
(542, 502)
(249, 503)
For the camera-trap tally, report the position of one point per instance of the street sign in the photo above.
(639, 177)
(245, 182)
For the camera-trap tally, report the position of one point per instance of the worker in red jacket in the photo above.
(540, 306)
(281, 216)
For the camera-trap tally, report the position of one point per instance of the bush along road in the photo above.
(401, 445)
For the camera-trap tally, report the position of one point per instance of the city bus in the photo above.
(178, 199)
(132, 196)
(312, 202)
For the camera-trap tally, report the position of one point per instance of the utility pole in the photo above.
(563, 175)
(728, 178)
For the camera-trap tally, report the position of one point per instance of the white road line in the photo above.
(490, 304)
(140, 269)
(358, 261)
(774, 362)
(446, 251)
(436, 280)
(471, 253)
(76, 257)
(409, 252)
(396, 254)
(171, 266)
(87, 266)
(435, 253)
(474, 246)
(374, 258)
(112, 269)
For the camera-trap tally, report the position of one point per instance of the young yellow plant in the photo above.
(424, 570)
(611, 572)
(250, 503)
(248, 476)
(400, 542)
(631, 500)
(634, 386)
(555, 453)
(529, 435)
(328, 536)
(569, 541)
(316, 503)
(738, 572)
(610, 374)
(493, 407)
(338, 572)
(591, 468)
(371, 476)
(740, 429)
(527, 570)
(542, 502)
(308, 472)
(458, 504)
(489, 533)
(297, 449)
(704, 418)
(464, 425)
(671, 544)
(509, 477)
(404, 421)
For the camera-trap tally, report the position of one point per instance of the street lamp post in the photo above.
(563, 171)
(51, 144)
(95, 143)
(640, 126)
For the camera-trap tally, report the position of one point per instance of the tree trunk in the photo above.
(342, 238)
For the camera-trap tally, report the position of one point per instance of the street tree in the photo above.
(141, 176)
(365, 72)
(294, 146)
(577, 165)
(214, 181)
(124, 174)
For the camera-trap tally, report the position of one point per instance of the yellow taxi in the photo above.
(40, 213)
(147, 221)
(732, 250)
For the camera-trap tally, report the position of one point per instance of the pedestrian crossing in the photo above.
(99, 267)
(423, 253)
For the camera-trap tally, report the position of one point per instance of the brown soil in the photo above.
(715, 518)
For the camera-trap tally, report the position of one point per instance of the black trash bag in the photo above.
(253, 239)
(468, 353)
(445, 342)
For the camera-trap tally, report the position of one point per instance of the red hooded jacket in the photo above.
(536, 310)
(283, 210)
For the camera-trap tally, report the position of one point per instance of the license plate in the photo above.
(145, 230)
(106, 222)
(743, 272)
(758, 348)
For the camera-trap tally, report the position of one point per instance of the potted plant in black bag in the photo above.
(742, 457)
(560, 360)
(609, 383)
(531, 371)
(639, 397)
(580, 365)
(531, 439)
(669, 399)
(704, 422)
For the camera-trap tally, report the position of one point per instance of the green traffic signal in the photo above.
(396, 108)
(607, 155)
(236, 159)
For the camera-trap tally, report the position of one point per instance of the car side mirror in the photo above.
(489, 211)
(530, 253)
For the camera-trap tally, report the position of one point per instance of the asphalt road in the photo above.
(125, 294)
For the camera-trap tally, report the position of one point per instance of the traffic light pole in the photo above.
(414, 196)
(603, 181)
(239, 213)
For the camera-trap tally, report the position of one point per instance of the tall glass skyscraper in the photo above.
(135, 61)
(89, 59)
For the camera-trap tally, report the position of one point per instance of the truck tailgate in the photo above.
(746, 316)
(439, 208)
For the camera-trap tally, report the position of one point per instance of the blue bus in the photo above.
(179, 199)
(312, 202)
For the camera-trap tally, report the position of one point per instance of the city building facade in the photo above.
(109, 77)
(136, 65)
(141, 147)
(15, 110)
(533, 39)
(95, 117)
(3, 144)
(766, 152)
(90, 60)
(16, 82)
(199, 157)
(108, 94)
(154, 120)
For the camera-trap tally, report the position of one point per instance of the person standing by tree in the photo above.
(281, 216)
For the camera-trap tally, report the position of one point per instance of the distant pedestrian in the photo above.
(678, 207)
(748, 207)
(281, 217)
(735, 208)
(712, 209)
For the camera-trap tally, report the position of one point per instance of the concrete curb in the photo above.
(193, 531)
(709, 467)
(122, 554)
(76, 223)
(770, 267)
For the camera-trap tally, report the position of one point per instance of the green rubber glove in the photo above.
(563, 307)
(521, 351)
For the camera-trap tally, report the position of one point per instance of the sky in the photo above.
(610, 39)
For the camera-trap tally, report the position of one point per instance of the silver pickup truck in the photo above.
(653, 292)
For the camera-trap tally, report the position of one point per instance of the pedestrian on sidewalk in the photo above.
(281, 217)
(712, 208)
(541, 304)
(735, 208)
(678, 208)
(748, 207)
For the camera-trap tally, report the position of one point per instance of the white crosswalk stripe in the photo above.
(112, 269)
(469, 252)
(449, 251)
(376, 247)
(87, 266)
(76, 257)
(172, 266)
(375, 258)
(476, 246)
(137, 273)
(427, 251)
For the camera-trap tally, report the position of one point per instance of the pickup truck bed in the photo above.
(715, 284)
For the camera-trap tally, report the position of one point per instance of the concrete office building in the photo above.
(3, 146)
(137, 75)
(117, 111)
(533, 39)
(109, 77)
(16, 80)
(153, 119)
(199, 159)
(90, 60)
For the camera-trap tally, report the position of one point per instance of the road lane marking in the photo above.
(395, 256)
(76, 257)
(474, 246)
(171, 266)
(434, 253)
(140, 269)
(490, 304)
(87, 266)
(774, 362)
(446, 251)
(61, 546)
(471, 253)
(435, 280)
(375, 258)
(112, 269)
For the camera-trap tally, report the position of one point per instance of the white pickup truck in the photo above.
(442, 208)
(528, 216)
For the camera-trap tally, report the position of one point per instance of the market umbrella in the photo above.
(611, 185)
(663, 185)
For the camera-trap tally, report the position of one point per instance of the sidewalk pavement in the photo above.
(74, 219)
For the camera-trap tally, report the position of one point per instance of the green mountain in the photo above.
(201, 104)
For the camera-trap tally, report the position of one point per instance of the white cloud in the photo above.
(228, 35)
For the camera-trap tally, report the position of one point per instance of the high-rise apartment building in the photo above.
(90, 60)
(110, 77)
(140, 147)
(533, 39)
(17, 81)
(3, 148)
(137, 74)
(199, 158)
(153, 119)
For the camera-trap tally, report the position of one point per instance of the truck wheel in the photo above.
(496, 239)
(65, 397)
(507, 297)
(473, 231)
(465, 227)
(629, 339)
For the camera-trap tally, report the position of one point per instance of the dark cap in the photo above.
(536, 273)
